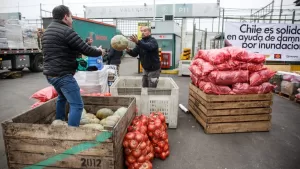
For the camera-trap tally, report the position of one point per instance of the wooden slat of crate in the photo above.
(37, 131)
(231, 127)
(36, 114)
(119, 133)
(73, 161)
(21, 166)
(227, 98)
(48, 146)
(228, 118)
(224, 112)
(230, 104)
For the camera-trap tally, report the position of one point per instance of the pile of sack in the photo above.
(230, 70)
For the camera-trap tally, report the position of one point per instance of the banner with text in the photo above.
(278, 42)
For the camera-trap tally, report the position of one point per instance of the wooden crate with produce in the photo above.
(32, 141)
(230, 113)
(230, 91)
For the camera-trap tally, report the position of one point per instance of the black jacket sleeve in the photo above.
(148, 46)
(110, 55)
(76, 43)
(134, 52)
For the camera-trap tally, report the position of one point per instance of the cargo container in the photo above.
(100, 32)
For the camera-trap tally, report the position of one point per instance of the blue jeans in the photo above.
(68, 91)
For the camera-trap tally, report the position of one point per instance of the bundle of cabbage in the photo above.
(89, 119)
(110, 121)
(121, 111)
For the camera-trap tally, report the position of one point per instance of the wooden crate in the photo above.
(31, 142)
(230, 113)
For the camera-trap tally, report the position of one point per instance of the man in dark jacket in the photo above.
(147, 49)
(61, 46)
(114, 58)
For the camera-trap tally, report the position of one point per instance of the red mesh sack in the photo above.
(210, 88)
(201, 54)
(201, 68)
(252, 67)
(228, 77)
(229, 65)
(37, 104)
(258, 78)
(194, 79)
(45, 94)
(245, 88)
(216, 56)
(195, 70)
(237, 53)
(251, 57)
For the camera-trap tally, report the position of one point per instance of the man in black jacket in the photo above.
(147, 49)
(114, 58)
(61, 47)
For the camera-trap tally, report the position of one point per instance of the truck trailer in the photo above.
(18, 57)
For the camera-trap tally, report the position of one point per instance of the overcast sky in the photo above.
(31, 8)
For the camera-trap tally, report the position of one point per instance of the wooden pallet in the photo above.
(231, 113)
(290, 97)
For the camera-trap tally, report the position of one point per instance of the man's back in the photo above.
(61, 47)
(59, 58)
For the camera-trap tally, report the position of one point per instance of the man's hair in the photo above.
(60, 11)
(147, 28)
(87, 39)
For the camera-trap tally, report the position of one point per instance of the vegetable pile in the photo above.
(146, 138)
(104, 118)
(231, 70)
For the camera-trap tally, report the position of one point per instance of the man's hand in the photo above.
(127, 50)
(134, 38)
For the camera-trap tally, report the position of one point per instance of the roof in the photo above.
(92, 21)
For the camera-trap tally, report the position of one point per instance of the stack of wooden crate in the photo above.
(231, 113)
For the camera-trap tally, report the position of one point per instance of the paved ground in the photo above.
(190, 147)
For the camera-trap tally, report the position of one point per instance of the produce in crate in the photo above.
(245, 88)
(119, 42)
(137, 146)
(222, 70)
(89, 119)
(211, 88)
(110, 121)
(258, 78)
(93, 126)
(157, 132)
(103, 113)
(121, 111)
(228, 77)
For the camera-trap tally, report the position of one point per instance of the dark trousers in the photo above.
(150, 78)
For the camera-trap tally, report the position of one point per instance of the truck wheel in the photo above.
(37, 64)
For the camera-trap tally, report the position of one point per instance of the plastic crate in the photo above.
(164, 98)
